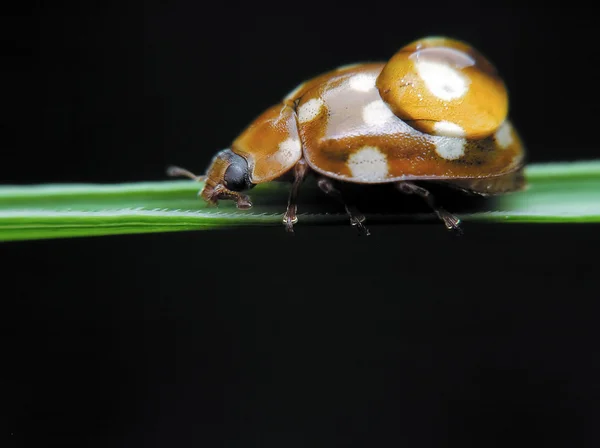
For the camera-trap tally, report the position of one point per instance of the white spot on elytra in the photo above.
(289, 151)
(368, 164)
(442, 80)
(504, 136)
(294, 92)
(362, 82)
(450, 148)
(309, 110)
(448, 129)
(377, 113)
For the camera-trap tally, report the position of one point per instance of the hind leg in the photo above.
(450, 221)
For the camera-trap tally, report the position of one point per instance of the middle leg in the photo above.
(356, 217)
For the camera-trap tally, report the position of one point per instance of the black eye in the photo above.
(236, 176)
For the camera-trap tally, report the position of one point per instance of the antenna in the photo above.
(176, 171)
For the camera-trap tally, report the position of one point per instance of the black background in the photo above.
(250, 337)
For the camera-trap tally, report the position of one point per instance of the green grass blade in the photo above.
(558, 193)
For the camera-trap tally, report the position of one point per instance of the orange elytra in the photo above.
(350, 125)
(444, 87)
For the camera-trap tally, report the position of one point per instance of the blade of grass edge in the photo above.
(559, 193)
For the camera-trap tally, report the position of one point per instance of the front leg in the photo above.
(290, 218)
(242, 201)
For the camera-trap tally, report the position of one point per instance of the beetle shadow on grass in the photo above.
(384, 202)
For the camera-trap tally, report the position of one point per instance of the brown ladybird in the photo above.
(378, 123)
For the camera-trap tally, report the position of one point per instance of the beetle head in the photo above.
(226, 177)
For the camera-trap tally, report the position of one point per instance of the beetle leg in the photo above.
(242, 201)
(451, 222)
(290, 218)
(356, 217)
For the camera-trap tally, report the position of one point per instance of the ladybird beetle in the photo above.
(435, 112)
